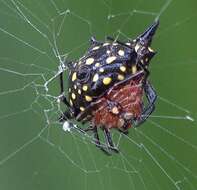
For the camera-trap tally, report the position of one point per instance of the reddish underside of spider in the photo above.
(119, 106)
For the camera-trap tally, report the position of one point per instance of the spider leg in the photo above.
(90, 128)
(119, 42)
(125, 127)
(151, 97)
(94, 41)
(61, 83)
(64, 117)
(67, 114)
(97, 141)
(108, 138)
(146, 71)
(62, 96)
(125, 132)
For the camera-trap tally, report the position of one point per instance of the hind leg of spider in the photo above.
(125, 132)
(125, 127)
(146, 71)
(97, 142)
(109, 141)
(151, 98)
(89, 129)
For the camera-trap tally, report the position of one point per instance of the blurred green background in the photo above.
(35, 153)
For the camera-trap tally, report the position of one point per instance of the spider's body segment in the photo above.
(106, 85)
(97, 72)
(119, 106)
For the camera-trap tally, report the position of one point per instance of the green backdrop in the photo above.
(35, 153)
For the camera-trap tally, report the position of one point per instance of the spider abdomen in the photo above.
(119, 106)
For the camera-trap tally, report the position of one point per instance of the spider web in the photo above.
(37, 37)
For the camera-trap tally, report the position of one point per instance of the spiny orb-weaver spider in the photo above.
(106, 86)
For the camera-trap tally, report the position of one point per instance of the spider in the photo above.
(106, 86)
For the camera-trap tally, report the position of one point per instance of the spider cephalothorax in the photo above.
(106, 85)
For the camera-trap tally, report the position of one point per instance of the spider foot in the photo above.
(64, 117)
(125, 132)
(109, 141)
(115, 149)
(106, 151)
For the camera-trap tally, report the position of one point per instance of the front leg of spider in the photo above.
(67, 114)
(108, 138)
(62, 96)
(109, 141)
(97, 141)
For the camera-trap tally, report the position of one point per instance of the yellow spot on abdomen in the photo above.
(134, 69)
(79, 91)
(82, 108)
(88, 98)
(101, 70)
(120, 77)
(74, 76)
(97, 65)
(71, 103)
(89, 61)
(95, 78)
(107, 80)
(110, 59)
(73, 96)
(85, 87)
(123, 68)
(108, 51)
(121, 52)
